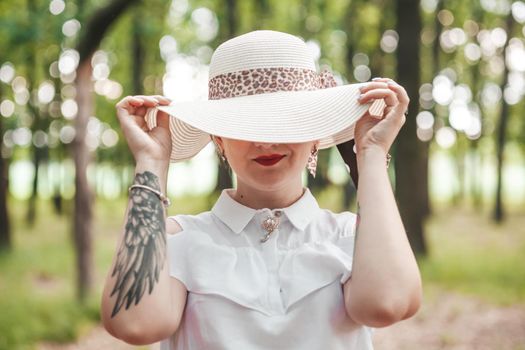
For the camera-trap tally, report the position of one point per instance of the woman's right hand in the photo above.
(147, 146)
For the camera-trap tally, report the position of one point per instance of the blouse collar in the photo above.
(236, 215)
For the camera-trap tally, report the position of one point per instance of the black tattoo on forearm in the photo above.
(142, 253)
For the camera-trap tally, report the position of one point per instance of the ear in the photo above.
(218, 142)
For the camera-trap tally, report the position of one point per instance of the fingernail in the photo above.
(376, 78)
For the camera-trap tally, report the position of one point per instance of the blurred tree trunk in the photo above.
(224, 175)
(93, 32)
(436, 67)
(5, 228)
(262, 8)
(350, 190)
(411, 155)
(83, 195)
(476, 154)
(38, 153)
(377, 56)
(57, 198)
(137, 49)
(499, 211)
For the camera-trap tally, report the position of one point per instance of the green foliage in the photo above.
(470, 254)
(37, 277)
(36, 284)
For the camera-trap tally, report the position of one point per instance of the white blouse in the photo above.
(285, 293)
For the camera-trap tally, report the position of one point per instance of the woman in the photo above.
(266, 267)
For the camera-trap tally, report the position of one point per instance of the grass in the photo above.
(38, 297)
(467, 253)
(471, 254)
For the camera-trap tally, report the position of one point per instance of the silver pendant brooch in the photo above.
(270, 224)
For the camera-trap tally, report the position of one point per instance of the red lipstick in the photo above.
(270, 159)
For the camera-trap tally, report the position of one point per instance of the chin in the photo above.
(272, 181)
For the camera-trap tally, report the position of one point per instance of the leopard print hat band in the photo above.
(267, 80)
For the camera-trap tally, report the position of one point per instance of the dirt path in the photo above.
(455, 322)
(446, 321)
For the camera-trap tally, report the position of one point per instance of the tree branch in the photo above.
(97, 26)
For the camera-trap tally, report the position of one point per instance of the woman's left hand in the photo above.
(373, 132)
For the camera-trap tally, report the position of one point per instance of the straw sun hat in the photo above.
(264, 87)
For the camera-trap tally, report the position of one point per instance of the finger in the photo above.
(141, 111)
(163, 120)
(386, 94)
(398, 112)
(140, 121)
(381, 79)
(127, 101)
(400, 92)
(163, 100)
(149, 99)
(373, 85)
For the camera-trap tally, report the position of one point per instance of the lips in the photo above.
(270, 159)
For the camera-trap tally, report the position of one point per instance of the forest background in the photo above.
(458, 164)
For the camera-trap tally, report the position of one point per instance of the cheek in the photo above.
(303, 156)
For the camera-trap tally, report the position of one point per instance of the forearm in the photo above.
(385, 277)
(136, 297)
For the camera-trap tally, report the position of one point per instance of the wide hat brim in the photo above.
(328, 115)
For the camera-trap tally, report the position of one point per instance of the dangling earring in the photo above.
(312, 161)
(222, 155)
(220, 152)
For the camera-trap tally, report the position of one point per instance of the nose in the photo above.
(264, 145)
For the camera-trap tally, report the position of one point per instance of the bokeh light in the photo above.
(362, 73)
(69, 108)
(518, 11)
(425, 120)
(389, 41)
(109, 138)
(22, 137)
(56, 7)
(186, 79)
(168, 47)
(71, 27)
(67, 134)
(7, 108)
(472, 53)
(445, 17)
(500, 7)
(446, 137)
(68, 61)
(46, 92)
(424, 135)
(442, 89)
(207, 25)
(490, 94)
(54, 72)
(360, 59)
(7, 72)
(40, 139)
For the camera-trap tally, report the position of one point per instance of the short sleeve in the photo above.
(346, 242)
(177, 258)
